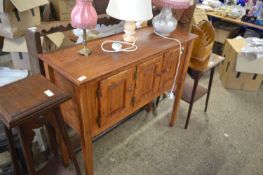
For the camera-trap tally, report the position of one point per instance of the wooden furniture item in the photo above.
(235, 21)
(29, 104)
(192, 91)
(203, 45)
(107, 87)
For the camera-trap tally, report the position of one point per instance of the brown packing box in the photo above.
(63, 8)
(26, 14)
(224, 31)
(56, 40)
(18, 49)
(20, 5)
(232, 79)
(1, 43)
(6, 6)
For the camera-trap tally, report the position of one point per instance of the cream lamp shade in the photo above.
(130, 11)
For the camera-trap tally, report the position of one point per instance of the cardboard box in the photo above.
(63, 9)
(25, 14)
(6, 6)
(1, 43)
(21, 6)
(224, 31)
(236, 80)
(19, 54)
(199, 15)
(248, 63)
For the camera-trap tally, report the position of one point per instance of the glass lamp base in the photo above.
(84, 52)
(164, 23)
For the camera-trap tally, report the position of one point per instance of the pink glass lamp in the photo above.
(165, 23)
(84, 16)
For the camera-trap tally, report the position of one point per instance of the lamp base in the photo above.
(164, 23)
(84, 52)
(129, 30)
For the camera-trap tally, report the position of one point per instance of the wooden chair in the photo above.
(203, 45)
(29, 104)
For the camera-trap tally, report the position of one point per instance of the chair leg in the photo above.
(191, 102)
(52, 138)
(209, 87)
(65, 137)
(26, 151)
(12, 149)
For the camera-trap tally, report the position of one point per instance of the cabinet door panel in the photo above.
(148, 80)
(116, 96)
(170, 64)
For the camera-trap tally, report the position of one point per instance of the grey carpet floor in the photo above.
(227, 140)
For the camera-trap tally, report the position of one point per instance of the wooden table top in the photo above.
(214, 60)
(70, 64)
(236, 21)
(26, 97)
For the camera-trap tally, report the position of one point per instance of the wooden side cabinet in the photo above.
(107, 87)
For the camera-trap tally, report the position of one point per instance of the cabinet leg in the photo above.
(178, 94)
(149, 107)
(209, 87)
(64, 153)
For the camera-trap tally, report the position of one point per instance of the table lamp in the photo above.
(130, 11)
(84, 16)
(165, 23)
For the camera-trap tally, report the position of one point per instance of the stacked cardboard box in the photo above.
(224, 31)
(63, 9)
(18, 49)
(199, 15)
(232, 79)
(16, 17)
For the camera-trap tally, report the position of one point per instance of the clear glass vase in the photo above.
(164, 23)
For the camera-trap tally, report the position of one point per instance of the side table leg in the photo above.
(191, 102)
(209, 87)
(12, 149)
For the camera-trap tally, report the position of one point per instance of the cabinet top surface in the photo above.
(80, 69)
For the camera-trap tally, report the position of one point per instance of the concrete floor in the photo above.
(227, 140)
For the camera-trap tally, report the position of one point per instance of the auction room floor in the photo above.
(227, 140)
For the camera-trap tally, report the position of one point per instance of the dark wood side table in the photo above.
(192, 90)
(28, 104)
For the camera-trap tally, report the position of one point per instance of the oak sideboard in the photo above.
(107, 87)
